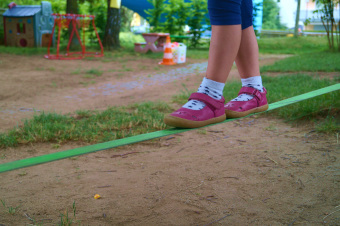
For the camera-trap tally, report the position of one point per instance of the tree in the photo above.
(270, 15)
(98, 8)
(296, 30)
(72, 8)
(111, 37)
(155, 14)
(176, 13)
(331, 26)
(197, 17)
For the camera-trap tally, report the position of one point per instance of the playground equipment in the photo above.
(28, 25)
(153, 42)
(78, 22)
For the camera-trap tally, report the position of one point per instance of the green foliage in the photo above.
(176, 14)
(98, 8)
(314, 62)
(331, 25)
(196, 18)
(155, 15)
(256, 8)
(270, 15)
(126, 16)
(58, 6)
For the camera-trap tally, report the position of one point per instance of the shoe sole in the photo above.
(188, 124)
(236, 114)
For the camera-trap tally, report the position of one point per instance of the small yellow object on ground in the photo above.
(96, 196)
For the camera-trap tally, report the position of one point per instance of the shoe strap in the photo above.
(216, 104)
(251, 91)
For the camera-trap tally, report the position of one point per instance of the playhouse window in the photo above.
(21, 28)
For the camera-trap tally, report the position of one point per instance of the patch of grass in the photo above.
(23, 51)
(120, 75)
(291, 45)
(329, 125)
(95, 72)
(90, 126)
(124, 69)
(23, 173)
(56, 146)
(88, 83)
(198, 53)
(76, 72)
(66, 220)
(283, 87)
(202, 131)
(88, 76)
(54, 85)
(318, 61)
(10, 209)
(142, 67)
(183, 96)
(127, 39)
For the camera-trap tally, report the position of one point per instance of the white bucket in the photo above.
(179, 53)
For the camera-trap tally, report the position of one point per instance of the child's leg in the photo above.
(226, 20)
(248, 64)
(224, 46)
(247, 59)
(206, 106)
(252, 96)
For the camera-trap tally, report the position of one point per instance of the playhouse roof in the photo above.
(22, 11)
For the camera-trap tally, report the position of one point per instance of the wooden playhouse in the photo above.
(28, 26)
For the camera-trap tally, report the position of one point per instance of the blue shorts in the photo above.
(231, 12)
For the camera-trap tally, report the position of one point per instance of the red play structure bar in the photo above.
(78, 22)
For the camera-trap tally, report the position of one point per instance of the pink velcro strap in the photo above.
(207, 100)
(251, 91)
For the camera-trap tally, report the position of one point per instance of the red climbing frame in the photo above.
(79, 22)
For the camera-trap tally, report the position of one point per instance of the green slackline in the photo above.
(143, 137)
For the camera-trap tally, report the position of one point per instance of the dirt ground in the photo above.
(253, 171)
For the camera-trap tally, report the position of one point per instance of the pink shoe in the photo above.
(237, 109)
(213, 112)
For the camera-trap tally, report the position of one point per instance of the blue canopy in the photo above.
(139, 6)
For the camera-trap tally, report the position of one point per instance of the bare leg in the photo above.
(224, 46)
(247, 59)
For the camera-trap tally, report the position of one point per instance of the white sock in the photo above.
(208, 87)
(253, 82)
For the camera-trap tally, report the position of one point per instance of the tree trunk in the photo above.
(296, 31)
(111, 38)
(72, 8)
